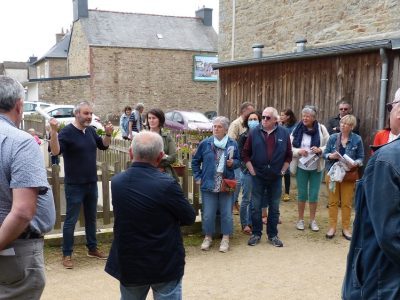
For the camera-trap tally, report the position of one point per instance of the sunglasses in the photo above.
(345, 108)
(266, 118)
(389, 106)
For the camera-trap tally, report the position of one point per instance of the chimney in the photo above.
(301, 45)
(60, 36)
(32, 59)
(205, 14)
(80, 9)
(257, 50)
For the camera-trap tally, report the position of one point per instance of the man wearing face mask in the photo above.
(252, 120)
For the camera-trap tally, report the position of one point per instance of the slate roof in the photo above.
(14, 65)
(133, 30)
(59, 50)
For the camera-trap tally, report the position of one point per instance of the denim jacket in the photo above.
(373, 262)
(203, 163)
(354, 149)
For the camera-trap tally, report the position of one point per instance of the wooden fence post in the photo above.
(105, 184)
(185, 180)
(196, 197)
(117, 167)
(55, 182)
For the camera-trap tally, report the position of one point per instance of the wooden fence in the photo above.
(108, 165)
(115, 160)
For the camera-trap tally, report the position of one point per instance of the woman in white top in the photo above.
(309, 140)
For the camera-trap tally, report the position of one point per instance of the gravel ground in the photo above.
(307, 267)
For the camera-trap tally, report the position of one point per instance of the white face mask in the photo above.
(253, 123)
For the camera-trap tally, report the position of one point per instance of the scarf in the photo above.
(301, 129)
(222, 145)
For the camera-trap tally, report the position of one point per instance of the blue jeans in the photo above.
(246, 204)
(212, 202)
(235, 195)
(171, 290)
(271, 190)
(75, 195)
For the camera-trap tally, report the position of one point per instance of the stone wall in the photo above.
(279, 23)
(65, 91)
(158, 78)
(78, 54)
(58, 67)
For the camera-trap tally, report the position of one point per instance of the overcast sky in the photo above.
(28, 27)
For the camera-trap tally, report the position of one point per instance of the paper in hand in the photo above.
(230, 152)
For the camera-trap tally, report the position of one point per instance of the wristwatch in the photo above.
(283, 172)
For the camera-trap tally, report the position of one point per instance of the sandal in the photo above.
(246, 229)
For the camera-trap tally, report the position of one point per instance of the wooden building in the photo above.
(320, 76)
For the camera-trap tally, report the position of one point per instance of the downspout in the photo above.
(233, 29)
(383, 88)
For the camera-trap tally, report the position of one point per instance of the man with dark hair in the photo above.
(78, 142)
(26, 202)
(373, 262)
(147, 251)
(345, 108)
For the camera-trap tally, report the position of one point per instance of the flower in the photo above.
(186, 144)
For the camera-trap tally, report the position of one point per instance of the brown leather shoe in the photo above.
(67, 262)
(96, 253)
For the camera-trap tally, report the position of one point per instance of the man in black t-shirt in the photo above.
(78, 142)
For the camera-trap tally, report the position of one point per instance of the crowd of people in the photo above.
(256, 153)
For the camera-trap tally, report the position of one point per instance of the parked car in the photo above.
(211, 114)
(65, 114)
(30, 106)
(187, 120)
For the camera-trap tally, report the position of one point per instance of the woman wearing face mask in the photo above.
(251, 121)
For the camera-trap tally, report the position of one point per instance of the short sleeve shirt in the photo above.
(22, 166)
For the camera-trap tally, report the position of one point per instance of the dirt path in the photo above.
(307, 267)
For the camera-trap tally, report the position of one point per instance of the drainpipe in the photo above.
(383, 88)
(233, 29)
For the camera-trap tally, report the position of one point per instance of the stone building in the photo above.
(278, 24)
(349, 50)
(116, 59)
(16, 70)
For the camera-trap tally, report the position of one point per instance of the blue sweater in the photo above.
(79, 152)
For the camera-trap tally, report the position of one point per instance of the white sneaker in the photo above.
(314, 226)
(224, 246)
(205, 246)
(300, 225)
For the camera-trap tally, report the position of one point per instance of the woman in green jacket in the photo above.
(155, 122)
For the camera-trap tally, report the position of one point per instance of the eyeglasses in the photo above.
(266, 118)
(343, 108)
(389, 106)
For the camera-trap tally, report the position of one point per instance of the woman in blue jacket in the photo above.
(349, 143)
(215, 159)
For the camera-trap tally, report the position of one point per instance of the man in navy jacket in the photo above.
(373, 262)
(267, 154)
(149, 208)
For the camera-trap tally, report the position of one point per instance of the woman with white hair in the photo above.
(215, 160)
(309, 140)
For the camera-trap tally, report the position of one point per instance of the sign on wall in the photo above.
(202, 69)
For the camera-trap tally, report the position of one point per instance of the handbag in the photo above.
(351, 175)
(228, 185)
